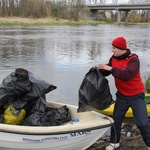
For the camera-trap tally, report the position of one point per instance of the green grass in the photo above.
(53, 23)
(59, 23)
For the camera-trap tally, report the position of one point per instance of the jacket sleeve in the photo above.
(105, 72)
(129, 72)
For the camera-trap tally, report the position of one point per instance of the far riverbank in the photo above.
(45, 21)
(53, 22)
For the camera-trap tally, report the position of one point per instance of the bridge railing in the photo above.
(114, 4)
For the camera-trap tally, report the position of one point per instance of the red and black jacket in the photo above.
(126, 73)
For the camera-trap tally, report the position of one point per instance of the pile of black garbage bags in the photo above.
(23, 101)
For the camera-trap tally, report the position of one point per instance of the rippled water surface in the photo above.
(62, 55)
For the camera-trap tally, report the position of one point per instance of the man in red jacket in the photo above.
(125, 67)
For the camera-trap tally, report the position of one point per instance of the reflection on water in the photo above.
(62, 55)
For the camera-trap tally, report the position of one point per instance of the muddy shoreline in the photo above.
(131, 139)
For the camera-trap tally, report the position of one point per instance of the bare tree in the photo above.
(11, 7)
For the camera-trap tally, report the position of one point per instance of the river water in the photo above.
(62, 55)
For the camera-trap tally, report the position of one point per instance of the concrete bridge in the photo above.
(119, 7)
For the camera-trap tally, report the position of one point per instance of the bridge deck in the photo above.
(120, 7)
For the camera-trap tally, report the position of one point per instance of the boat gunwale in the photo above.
(57, 132)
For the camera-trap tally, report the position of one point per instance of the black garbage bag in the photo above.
(45, 114)
(39, 87)
(17, 104)
(94, 92)
(14, 86)
(21, 104)
(22, 89)
(40, 105)
(1, 118)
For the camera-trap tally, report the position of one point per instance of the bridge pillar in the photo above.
(119, 17)
(126, 17)
(94, 14)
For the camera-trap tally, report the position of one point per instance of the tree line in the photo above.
(63, 9)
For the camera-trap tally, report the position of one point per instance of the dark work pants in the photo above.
(138, 106)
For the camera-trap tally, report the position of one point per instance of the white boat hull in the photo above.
(71, 141)
(70, 136)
